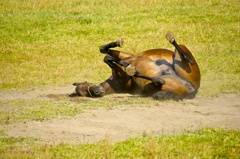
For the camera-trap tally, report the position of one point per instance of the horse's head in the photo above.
(86, 89)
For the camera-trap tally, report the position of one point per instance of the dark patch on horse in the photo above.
(160, 62)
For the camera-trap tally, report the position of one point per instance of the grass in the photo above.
(20, 110)
(52, 43)
(205, 143)
(56, 43)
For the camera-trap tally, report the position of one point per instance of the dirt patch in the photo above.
(126, 121)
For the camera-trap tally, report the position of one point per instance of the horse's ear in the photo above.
(76, 84)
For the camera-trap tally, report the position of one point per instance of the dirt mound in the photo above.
(126, 121)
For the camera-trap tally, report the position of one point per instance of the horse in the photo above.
(160, 73)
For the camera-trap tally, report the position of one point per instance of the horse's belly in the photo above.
(152, 68)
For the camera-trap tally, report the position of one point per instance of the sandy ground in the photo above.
(126, 121)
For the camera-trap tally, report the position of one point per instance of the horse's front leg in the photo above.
(130, 70)
(105, 49)
(112, 61)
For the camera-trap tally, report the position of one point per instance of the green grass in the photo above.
(205, 143)
(56, 43)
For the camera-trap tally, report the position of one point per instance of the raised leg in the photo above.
(114, 56)
(105, 49)
(185, 64)
(130, 70)
(186, 56)
(110, 61)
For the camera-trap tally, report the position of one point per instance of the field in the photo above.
(45, 46)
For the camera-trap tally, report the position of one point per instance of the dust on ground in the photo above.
(122, 122)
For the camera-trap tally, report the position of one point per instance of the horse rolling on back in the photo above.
(160, 73)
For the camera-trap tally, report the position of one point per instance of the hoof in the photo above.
(119, 42)
(130, 70)
(170, 37)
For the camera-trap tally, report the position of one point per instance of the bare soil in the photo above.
(125, 121)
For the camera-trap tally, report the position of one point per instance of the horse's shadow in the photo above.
(71, 97)
(74, 97)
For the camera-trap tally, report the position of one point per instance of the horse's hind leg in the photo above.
(184, 63)
(187, 56)
(105, 49)
(175, 88)
(170, 95)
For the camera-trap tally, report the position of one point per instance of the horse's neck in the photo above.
(106, 86)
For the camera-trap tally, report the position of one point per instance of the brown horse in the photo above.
(159, 73)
